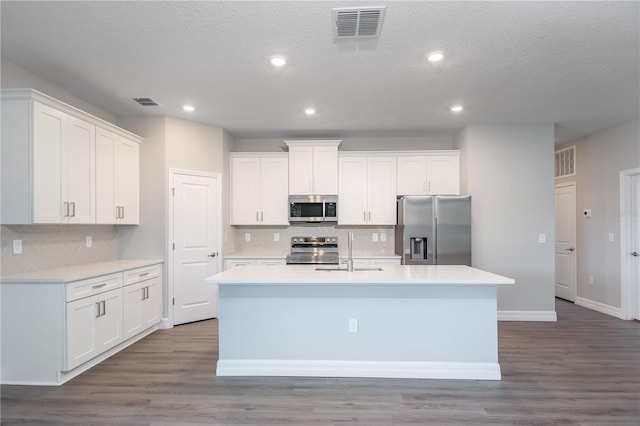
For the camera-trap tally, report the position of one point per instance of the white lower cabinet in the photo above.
(94, 325)
(142, 304)
(79, 322)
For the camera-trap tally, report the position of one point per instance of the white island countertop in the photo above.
(389, 274)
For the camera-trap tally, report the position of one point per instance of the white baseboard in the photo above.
(549, 316)
(380, 369)
(165, 323)
(600, 307)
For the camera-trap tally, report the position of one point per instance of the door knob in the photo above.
(570, 249)
(213, 254)
(635, 254)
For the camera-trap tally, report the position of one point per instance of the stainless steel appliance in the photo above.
(313, 208)
(434, 230)
(314, 250)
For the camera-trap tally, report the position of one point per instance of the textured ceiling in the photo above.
(575, 64)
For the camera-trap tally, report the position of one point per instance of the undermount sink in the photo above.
(355, 269)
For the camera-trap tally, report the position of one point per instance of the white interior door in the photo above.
(565, 241)
(196, 254)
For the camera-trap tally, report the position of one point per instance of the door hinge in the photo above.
(174, 246)
(174, 300)
(173, 192)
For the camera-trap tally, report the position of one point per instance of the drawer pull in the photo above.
(144, 275)
(99, 285)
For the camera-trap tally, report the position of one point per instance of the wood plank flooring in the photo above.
(582, 370)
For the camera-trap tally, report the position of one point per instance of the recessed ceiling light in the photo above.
(310, 111)
(456, 108)
(278, 61)
(435, 56)
(188, 108)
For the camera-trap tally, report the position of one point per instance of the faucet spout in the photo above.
(350, 252)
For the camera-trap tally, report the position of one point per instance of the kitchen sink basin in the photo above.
(355, 269)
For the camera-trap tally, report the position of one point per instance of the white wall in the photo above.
(508, 171)
(13, 76)
(599, 159)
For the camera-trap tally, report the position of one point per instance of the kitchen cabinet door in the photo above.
(412, 175)
(142, 306)
(94, 325)
(64, 167)
(367, 191)
(301, 168)
(274, 191)
(443, 175)
(352, 192)
(117, 179)
(245, 190)
(313, 167)
(381, 191)
(127, 182)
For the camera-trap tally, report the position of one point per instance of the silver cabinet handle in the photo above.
(142, 293)
(99, 285)
(261, 216)
(66, 209)
(364, 216)
(104, 308)
(122, 217)
(257, 216)
(73, 205)
(369, 215)
(635, 254)
(98, 309)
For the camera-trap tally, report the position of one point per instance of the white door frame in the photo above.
(627, 275)
(575, 234)
(171, 231)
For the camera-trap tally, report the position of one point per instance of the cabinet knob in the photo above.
(635, 254)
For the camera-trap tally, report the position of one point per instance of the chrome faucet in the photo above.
(350, 252)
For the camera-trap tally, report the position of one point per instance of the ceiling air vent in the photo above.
(350, 22)
(146, 102)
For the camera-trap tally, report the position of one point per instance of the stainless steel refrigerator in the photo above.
(434, 230)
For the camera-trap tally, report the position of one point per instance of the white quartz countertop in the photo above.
(79, 272)
(390, 274)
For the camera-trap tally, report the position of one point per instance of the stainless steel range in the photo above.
(314, 250)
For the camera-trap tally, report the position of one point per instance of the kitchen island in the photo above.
(400, 321)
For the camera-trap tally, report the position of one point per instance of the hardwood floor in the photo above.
(582, 370)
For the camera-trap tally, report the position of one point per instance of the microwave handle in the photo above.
(324, 210)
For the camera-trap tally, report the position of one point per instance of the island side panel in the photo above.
(434, 324)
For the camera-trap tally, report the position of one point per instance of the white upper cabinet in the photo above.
(431, 174)
(64, 167)
(117, 177)
(313, 167)
(367, 193)
(49, 160)
(259, 189)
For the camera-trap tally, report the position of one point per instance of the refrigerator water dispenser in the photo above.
(418, 248)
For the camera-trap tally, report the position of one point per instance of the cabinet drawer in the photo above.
(142, 274)
(84, 288)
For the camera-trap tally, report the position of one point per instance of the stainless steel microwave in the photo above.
(313, 208)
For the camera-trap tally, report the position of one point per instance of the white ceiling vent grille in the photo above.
(146, 102)
(352, 22)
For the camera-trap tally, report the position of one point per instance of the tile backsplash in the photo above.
(262, 239)
(52, 246)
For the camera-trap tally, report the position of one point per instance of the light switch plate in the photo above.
(383, 236)
(17, 246)
(542, 238)
(353, 325)
(374, 237)
(89, 241)
(276, 236)
(247, 236)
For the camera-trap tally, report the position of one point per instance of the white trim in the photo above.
(167, 322)
(384, 369)
(628, 295)
(599, 307)
(549, 316)
(574, 290)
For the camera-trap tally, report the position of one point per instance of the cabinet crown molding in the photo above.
(34, 95)
(314, 142)
(430, 153)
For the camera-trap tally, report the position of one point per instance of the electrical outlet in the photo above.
(611, 237)
(276, 236)
(89, 241)
(247, 236)
(374, 237)
(383, 236)
(353, 325)
(542, 238)
(17, 246)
